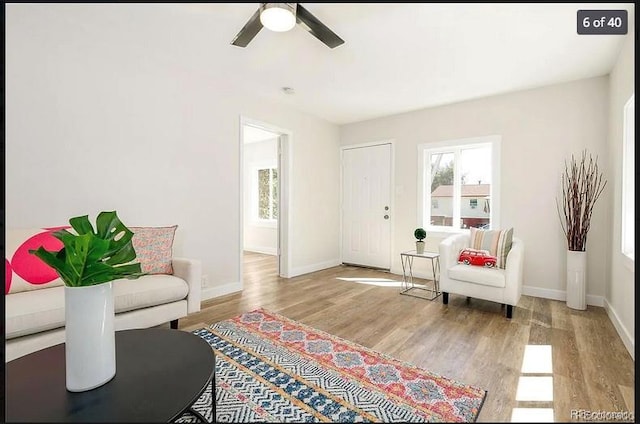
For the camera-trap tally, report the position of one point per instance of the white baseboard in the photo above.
(544, 293)
(267, 250)
(396, 271)
(627, 339)
(211, 292)
(294, 272)
(553, 294)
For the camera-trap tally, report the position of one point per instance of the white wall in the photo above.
(258, 237)
(620, 287)
(540, 128)
(100, 117)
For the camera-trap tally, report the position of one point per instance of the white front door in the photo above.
(366, 206)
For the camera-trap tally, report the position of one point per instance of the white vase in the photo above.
(419, 247)
(90, 348)
(576, 279)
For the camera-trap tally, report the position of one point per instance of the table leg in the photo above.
(438, 273)
(404, 272)
(436, 277)
(199, 415)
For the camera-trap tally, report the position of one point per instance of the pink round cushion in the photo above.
(7, 276)
(28, 267)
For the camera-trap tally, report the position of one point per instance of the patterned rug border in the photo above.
(354, 345)
(481, 393)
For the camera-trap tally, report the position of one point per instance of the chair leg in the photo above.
(509, 311)
(174, 324)
(445, 298)
(468, 299)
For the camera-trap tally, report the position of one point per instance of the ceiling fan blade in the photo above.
(248, 31)
(317, 28)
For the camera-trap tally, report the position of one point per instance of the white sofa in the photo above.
(35, 314)
(497, 285)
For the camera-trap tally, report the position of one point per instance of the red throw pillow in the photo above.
(477, 257)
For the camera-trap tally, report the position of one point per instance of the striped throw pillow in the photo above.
(497, 242)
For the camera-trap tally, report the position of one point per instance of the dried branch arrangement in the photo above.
(582, 185)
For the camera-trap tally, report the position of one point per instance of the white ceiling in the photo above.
(396, 57)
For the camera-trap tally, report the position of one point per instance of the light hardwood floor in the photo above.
(470, 342)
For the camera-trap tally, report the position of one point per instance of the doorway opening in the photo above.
(264, 195)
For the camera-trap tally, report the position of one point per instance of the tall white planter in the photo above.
(576, 279)
(90, 346)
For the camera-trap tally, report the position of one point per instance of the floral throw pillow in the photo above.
(154, 248)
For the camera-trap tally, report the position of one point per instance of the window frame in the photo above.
(255, 196)
(424, 181)
(627, 227)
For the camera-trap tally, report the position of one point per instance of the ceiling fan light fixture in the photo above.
(279, 17)
(283, 17)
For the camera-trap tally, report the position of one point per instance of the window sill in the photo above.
(629, 261)
(264, 224)
(444, 231)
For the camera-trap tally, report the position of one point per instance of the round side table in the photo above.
(160, 373)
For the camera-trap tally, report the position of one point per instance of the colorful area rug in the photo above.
(272, 369)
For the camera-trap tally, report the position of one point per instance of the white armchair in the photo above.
(497, 285)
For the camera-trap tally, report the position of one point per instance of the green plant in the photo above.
(93, 257)
(420, 234)
(582, 184)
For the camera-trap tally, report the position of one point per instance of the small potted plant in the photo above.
(420, 234)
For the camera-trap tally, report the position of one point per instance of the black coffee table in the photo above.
(160, 373)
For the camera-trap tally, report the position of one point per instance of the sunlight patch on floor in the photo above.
(382, 282)
(535, 389)
(535, 385)
(537, 359)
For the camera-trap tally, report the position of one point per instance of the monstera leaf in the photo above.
(93, 257)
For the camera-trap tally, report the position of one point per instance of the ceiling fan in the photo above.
(282, 17)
